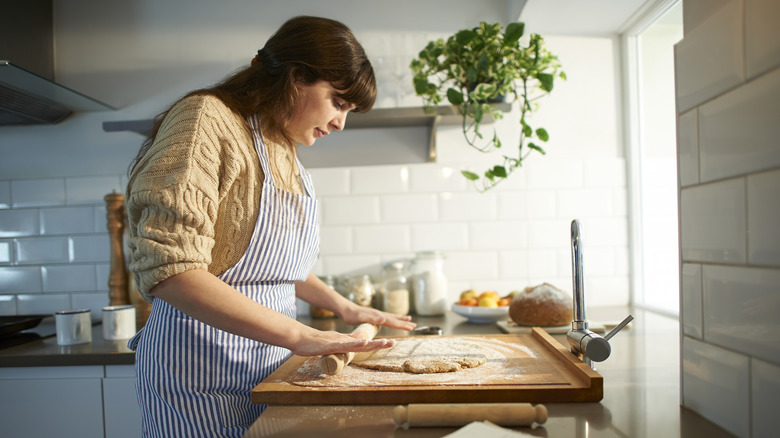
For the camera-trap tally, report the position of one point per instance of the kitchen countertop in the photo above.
(46, 351)
(641, 391)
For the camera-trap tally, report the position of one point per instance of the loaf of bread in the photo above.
(543, 305)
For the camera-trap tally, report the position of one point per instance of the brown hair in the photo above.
(305, 49)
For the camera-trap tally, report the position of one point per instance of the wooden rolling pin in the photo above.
(332, 364)
(461, 414)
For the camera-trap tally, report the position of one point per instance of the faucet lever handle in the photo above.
(618, 327)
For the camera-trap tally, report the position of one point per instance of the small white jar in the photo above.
(429, 284)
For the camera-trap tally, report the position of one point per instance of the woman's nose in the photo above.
(339, 122)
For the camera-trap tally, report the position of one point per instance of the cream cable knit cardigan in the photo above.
(194, 197)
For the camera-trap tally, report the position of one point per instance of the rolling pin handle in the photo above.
(541, 414)
(401, 416)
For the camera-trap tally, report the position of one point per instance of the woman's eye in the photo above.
(338, 104)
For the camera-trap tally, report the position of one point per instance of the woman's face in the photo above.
(317, 112)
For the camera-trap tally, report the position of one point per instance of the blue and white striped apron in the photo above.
(194, 380)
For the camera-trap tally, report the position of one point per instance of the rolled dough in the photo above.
(424, 356)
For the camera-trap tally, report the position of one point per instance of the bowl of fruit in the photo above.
(482, 308)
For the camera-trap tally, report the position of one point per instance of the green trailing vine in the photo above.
(475, 68)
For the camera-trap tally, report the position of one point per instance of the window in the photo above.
(652, 156)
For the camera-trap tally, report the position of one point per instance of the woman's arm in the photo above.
(208, 299)
(315, 292)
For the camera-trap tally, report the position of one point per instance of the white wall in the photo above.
(142, 55)
(728, 89)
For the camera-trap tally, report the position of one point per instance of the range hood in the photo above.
(28, 93)
(26, 98)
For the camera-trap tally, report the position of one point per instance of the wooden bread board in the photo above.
(532, 367)
(512, 327)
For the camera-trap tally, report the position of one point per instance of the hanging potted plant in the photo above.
(475, 68)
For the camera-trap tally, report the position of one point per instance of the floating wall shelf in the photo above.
(376, 118)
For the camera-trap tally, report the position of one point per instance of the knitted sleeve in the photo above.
(175, 190)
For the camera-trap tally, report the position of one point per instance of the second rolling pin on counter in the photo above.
(332, 364)
(461, 414)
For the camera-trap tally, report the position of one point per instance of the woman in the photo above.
(223, 231)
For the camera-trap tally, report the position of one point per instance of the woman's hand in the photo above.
(355, 314)
(317, 342)
(317, 293)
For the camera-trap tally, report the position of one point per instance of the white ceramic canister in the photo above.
(73, 326)
(119, 322)
(429, 283)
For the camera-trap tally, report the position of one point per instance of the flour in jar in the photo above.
(424, 356)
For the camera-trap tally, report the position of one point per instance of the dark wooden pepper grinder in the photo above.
(121, 288)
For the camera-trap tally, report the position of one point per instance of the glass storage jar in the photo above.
(395, 290)
(429, 285)
(362, 291)
(318, 312)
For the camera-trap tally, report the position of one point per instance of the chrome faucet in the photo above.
(582, 340)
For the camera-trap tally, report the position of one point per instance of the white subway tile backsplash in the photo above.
(691, 299)
(765, 385)
(598, 261)
(410, 208)
(335, 240)
(611, 232)
(5, 251)
(620, 202)
(762, 36)
(41, 250)
(379, 180)
(7, 305)
(352, 210)
(99, 218)
(764, 218)
(708, 61)
(605, 172)
(381, 239)
(17, 223)
(69, 278)
(513, 264)
(37, 193)
(740, 309)
(436, 178)
(351, 264)
(42, 303)
(91, 189)
(555, 174)
(543, 263)
(330, 182)
(94, 248)
(94, 301)
(712, 219)
(102, 271)
(20, 279)
(471, 264)
(541, 204)
(498, 235)
(5, 194)
(67, 220)
(549, 234)
(512, 205)
(743, 120)
(439, 236)
(584, 203)
(715, 383)
(467, 206)
(601, 291)
(688, 148)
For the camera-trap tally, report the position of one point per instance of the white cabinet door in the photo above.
(70, 407)
(123, 417)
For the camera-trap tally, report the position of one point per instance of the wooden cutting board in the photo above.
(530, 367)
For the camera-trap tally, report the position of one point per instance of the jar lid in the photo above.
(429, 254)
